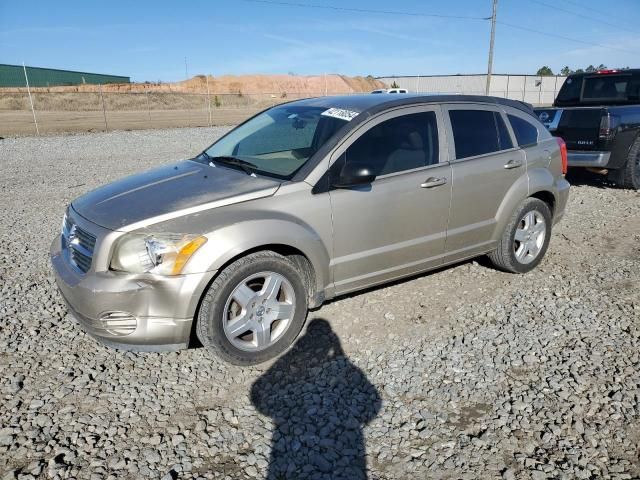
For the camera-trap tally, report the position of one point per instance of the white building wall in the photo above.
(532, 89)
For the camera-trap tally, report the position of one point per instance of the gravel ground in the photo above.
(463, 373)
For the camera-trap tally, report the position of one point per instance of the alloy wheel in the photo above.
(529, 237)
(259, 311)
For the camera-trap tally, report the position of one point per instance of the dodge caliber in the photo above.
(301, 203)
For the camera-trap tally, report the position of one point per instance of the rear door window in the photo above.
(503, 134)
(478, 132)
(526, 133)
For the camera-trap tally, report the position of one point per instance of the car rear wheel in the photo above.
(525, 239)
(254, 309)
(630, 174)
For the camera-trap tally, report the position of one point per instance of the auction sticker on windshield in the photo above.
(340, 113)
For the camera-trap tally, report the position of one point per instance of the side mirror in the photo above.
(353, 174)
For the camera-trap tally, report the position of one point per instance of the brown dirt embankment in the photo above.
(239, 84)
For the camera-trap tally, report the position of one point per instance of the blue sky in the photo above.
(150, 40)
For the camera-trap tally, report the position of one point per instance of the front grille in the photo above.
(79, 244)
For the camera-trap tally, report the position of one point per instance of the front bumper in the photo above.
(161, 308)
(588, 159)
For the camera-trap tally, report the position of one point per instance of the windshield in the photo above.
(623, 88)
(279, 141)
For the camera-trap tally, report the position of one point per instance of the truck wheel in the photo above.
(253, 310)
(525, 239)
(630, 174)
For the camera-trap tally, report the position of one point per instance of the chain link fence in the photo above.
(58, 112)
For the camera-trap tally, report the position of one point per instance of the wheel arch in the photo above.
(538, 183)
(298, 257)
(623, 143)
(294, 240)
(543, 186)
(547, 197)
(510, 202)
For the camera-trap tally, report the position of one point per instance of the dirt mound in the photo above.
(280, 85)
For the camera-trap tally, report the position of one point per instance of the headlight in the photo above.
(164, 254)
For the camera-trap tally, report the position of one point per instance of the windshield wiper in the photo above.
(248, 167)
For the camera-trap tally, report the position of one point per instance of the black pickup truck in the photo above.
(598, 116)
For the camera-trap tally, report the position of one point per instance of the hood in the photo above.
(165, 190)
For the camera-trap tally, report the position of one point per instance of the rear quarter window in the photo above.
(526, 133)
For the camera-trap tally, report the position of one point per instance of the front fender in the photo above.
(230, 241)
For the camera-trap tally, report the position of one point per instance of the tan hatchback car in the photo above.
(303, 202)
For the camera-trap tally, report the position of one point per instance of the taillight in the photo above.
(563, 155)
(608, 125)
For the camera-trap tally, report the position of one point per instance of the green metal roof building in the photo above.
(13, 76)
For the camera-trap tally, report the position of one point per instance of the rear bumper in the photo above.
(562, 197)
(131, 311)
(588, 159)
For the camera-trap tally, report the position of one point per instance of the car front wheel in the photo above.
(254, 309)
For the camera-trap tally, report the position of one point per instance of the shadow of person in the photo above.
(319, 402)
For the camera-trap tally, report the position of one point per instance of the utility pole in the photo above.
(209, 101)
(104, 110)
(186, 70)
(33, 111)
(493, 37)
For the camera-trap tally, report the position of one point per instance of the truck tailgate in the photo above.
(580, 127)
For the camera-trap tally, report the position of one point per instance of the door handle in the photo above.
(513, 164)
(433, 182)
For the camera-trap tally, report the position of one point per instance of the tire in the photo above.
(630, 173)
(228, 308)
(511, 254)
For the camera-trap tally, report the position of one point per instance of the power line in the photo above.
(366, 10)
(595, 10)
(434, 15)
(582, 15)
(548, 34)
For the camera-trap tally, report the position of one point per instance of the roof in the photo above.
(15, 76)
(375, 103)
(61, 70)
